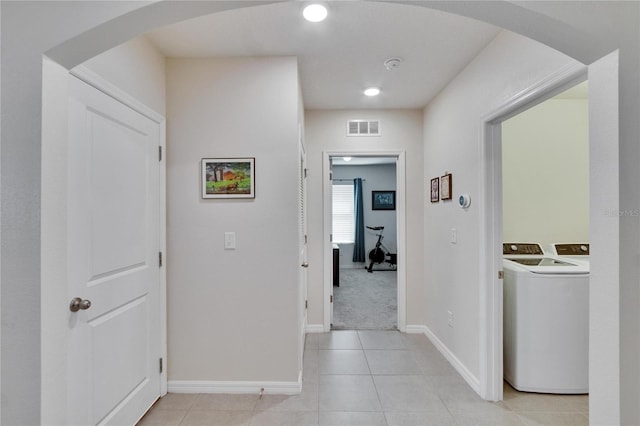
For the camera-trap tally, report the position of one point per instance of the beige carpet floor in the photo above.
(365, 301)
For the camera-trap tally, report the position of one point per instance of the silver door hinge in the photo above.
(306, 171)
(160, 153)
(331, 238)
(500, 275)
(330, 175)
(160, 259)
(305, 239)
(161, 366)
(331, 298)
(306, 304)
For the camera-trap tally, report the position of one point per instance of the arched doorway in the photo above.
(21, 143)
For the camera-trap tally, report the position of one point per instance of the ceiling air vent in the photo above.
(363, 128)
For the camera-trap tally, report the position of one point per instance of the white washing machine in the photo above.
(546, 321)
(573, 252)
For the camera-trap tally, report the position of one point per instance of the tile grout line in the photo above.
(384, 414)
(364, 352)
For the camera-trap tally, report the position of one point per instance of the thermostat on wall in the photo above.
(464, 200)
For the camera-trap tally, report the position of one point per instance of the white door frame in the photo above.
(491, 363)
(401, 229)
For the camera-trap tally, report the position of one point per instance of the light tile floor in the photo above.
(372, 378)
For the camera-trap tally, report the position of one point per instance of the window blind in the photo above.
(343, 226)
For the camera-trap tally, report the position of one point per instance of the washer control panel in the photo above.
(522, 248)
(578, 249)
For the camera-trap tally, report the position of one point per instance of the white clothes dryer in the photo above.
(546, 321)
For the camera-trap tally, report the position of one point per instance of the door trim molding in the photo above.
(95, 80)
(401, 221)
(490, 191)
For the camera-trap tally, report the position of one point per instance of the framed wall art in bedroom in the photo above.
(383, 200)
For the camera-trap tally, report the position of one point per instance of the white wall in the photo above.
(137, 68)
(233, 314)
(401, 131)
(452, 134)
(54, 236)
(377, 177)
(545, 173)
(607, 252)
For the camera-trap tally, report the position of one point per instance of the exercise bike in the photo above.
(380, 253)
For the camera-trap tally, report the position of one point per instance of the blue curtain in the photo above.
(358, 248)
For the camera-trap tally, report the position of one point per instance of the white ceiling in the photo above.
(340, 57)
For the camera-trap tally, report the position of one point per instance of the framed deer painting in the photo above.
(228, 177)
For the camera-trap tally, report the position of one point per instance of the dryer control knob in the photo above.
(584, 248)
(514, 247)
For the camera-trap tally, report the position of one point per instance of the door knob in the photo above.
(79, 304)
(305, 265)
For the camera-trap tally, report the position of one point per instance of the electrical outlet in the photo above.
(450, 318)
(229, 240)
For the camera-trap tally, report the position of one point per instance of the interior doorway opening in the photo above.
(377, 184)
(545, 203)
(492, 294)
(364, 243)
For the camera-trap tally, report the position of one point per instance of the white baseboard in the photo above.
(202, 386)
(453, 360)
(315, 328)
(416, 329)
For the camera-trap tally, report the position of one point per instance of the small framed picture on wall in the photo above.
(228, 178)
(445, 187)
(383, 200)
(435, 190)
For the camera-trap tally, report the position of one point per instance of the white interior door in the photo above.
(113, 251)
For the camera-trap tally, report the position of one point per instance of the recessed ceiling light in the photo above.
(315, 13)
(372, 91)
